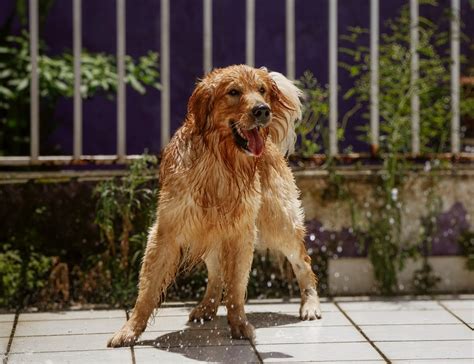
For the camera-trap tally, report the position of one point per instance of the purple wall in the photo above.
(143, 25)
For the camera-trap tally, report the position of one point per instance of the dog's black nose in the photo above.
(261, 112)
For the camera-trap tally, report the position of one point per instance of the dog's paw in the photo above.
(203, 312)
(124, 337)
(310, 310)
(243, 330)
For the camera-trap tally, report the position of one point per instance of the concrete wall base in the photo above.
(354, 276)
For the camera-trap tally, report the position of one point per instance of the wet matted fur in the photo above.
(226, 189)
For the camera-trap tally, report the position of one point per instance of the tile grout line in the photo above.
(452, 313)
(12, 334)
(132, 348)
(362, 333)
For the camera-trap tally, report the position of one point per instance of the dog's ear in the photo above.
(278, 97)
(199, 105)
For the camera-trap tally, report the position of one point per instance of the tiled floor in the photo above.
(352, 330)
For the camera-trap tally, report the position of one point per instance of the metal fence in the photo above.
(121, 153)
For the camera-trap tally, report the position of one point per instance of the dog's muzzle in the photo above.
(261, 114)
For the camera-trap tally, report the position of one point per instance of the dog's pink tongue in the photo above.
(255, 140)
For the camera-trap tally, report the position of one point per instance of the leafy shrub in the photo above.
(23, 276)
(56, 81)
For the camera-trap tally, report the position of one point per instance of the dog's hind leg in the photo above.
(207, 308)
(160, 263)
(280, 223)
(291, 245)
(295, 252)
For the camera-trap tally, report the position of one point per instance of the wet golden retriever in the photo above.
(226, 189)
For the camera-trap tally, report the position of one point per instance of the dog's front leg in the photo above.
(237, 261)
(162, 256)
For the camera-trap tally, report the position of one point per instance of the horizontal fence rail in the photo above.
(121, 156)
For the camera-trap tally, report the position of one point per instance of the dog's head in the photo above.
(235, 105)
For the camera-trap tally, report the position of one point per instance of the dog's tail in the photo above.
(282, 128)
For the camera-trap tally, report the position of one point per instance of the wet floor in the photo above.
(367, 330)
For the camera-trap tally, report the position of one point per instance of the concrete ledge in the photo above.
(354, 276)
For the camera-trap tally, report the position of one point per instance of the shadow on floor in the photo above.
(211, 340)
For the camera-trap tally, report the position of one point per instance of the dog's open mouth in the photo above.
(249, 140)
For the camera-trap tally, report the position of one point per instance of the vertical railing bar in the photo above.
(207, 35)
(121, 96)
(455, 75)
(34, 84)
(414, 71)
(374, 75)
(250, 32)
(165, 72)
(333, 112)
(77, 46)
(290, 39)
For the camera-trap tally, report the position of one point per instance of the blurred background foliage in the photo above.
(56, 80)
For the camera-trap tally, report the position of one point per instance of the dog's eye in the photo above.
(234, 92)
(262, 90)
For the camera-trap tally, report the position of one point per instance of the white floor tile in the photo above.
(72, 315)
(317, 352)
(427, 350)
(7, 317)
(297, 335)
(174, 311)
(68, 327)
(258, 319)
(459, 304)
(60, 343)
(216, 354)
(195, 337)
(74, 357)
(390, 306)
(285, 307)
(418, 332)
(434, 361)
(3, 345)
(466, 315)
(269, 308)
(402, 317)
(5, 329)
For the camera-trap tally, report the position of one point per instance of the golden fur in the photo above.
(218, 200)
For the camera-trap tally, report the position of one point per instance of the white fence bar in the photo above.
(250, 32)
(34, 84)
(165, 72)
(414, 71)
(374, 75)
(290, 39)
(455, 74)
(207, 35)
(332, 77)
(121, 96)
(77, 46)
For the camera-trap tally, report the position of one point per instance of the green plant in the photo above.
(23, 275)
(386, 250)
(395, 86)
(56, 81)
(312, 130)
(125, 209)
(424, 279)
(466, 242)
